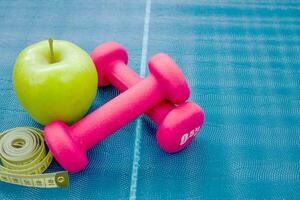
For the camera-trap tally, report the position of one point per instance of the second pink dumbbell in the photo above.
(177, 125)
(69, 144)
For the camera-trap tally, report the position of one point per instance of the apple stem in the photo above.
(50, 40)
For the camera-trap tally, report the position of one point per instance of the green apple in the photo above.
(55, 80)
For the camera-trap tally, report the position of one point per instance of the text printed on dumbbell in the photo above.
(186, 136)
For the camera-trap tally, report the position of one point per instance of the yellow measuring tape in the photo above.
(24, 158)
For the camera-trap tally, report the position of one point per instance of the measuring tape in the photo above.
(24, 158)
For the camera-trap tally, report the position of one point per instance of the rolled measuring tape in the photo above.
(24, 157)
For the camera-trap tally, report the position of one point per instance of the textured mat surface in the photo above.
(242, 61)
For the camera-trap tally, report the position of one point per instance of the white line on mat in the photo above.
(137, 141)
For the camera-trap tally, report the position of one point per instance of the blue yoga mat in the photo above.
(242, 61)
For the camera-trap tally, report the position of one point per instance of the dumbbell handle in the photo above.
(123, 77)
(116, 113)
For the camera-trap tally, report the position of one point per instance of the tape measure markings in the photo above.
(24, 158)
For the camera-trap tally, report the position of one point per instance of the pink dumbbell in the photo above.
(178, 125)
(69, 144)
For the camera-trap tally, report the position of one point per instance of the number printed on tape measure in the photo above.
(50, 182)
(27, 181)
(4, 178)
(39, 182)
(16, 180)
